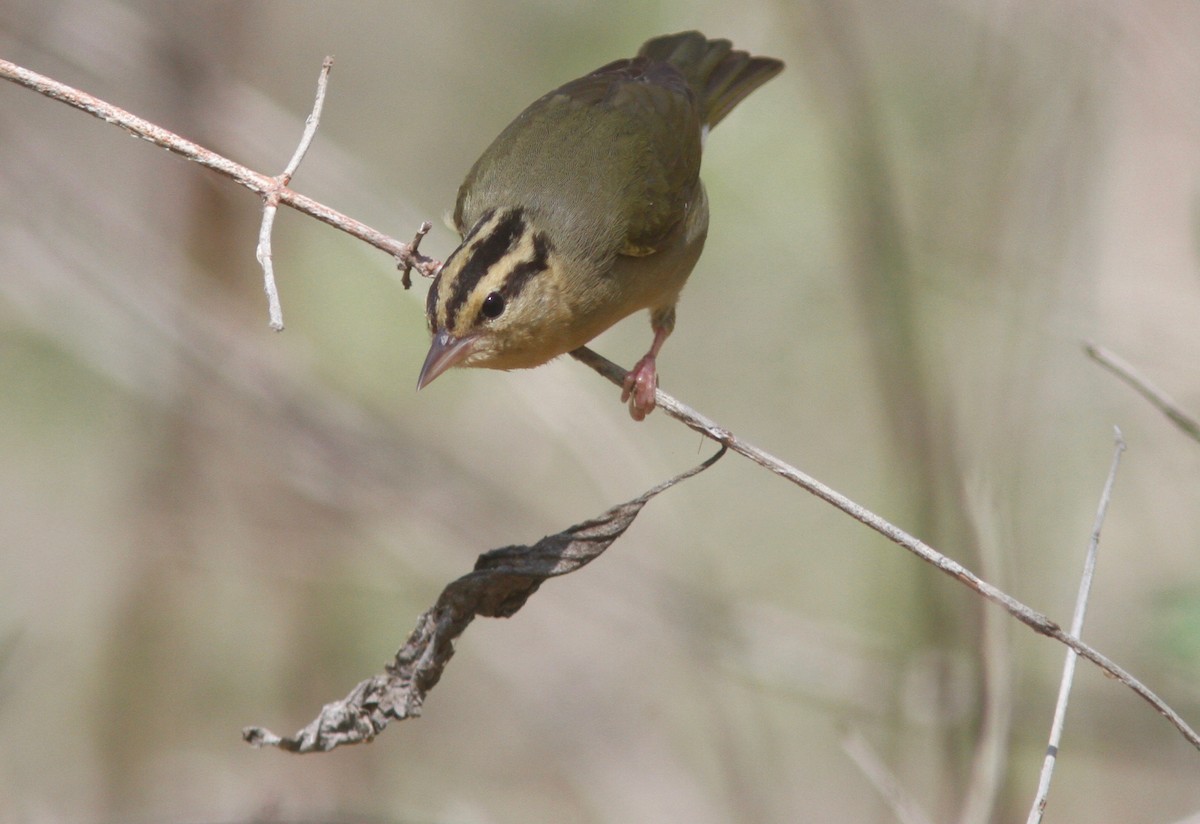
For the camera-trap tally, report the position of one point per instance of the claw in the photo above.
(640, 385)
(642, 381)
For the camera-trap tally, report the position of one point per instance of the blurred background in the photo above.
(206, 525)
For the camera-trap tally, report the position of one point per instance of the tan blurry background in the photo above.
(205, 525)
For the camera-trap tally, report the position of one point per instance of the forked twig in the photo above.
(261, 184)
(271, 199)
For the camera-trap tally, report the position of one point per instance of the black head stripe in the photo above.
(484, 253)
(523, 272)
(526, 270)
(446, 273)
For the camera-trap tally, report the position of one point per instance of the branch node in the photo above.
(409, 258)
(271, 196)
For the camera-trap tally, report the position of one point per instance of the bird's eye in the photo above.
(493, 306)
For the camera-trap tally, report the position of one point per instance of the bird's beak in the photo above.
(445, 351)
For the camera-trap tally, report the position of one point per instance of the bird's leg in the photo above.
(642, 381)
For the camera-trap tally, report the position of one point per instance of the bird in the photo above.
(585, 209)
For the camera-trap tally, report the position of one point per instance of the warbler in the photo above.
(587, 208)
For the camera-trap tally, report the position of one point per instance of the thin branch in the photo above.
(271, 199)
(502, 581)
(310, 124)
(266, 260)
(261, 184)
(1159, 399)
(1081, 601)
(1034, 620)
(899, 801)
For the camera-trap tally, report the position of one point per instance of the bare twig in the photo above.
(899, 801)
(265, 259)
(502, 581)
(252, 180)
(1081, 601)
(1034, 620)
(310, 124)
(406, 265)
(1159, 399)
(271, 199)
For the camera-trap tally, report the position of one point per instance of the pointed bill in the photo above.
(445, 351)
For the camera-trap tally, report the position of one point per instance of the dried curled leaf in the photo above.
(500, 584)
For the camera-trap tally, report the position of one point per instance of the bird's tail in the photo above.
(720, 75)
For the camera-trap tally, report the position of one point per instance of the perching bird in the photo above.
(587, 208)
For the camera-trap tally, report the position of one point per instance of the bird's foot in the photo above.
(639, 388)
